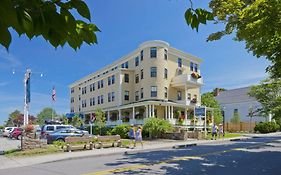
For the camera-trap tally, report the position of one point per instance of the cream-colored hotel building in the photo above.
(155, 80)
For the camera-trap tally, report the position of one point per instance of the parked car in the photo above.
(51, 128)
(61, 134)
(7, 131)
(16, 133)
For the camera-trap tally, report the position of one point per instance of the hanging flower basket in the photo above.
(196, 75)
(194, 100)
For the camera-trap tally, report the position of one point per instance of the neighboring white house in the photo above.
(238, 100)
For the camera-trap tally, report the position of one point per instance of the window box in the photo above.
(195, 75)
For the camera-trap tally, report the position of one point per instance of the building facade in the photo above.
(155, 80)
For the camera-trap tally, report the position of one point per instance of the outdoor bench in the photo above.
(79, 143)
(108, 141)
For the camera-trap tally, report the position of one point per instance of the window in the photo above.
(50, 128)
(141, 93)
(141, 55)
(195, 98)
(153, 52)
(98, 99)
(112, 79)
(79, 97)
(191, 66)
(72, 109)
(142, 74)
(126, 95)
(98, 84)
(84, 103)
(153, 91)
(195, 67)
(137, 61)
(93, 101)
(84, 90)
(92, 87)
(109, 97)
(235, 111)
(137, 95)
(165, 73)
(153, 72)
(189, 96)
(179, 95)
(166, 92)
(126, 78)
(179, 62)
(112, 96)
(179, 72)
(72, 90)
(101, 99)
(137, 78)
(127, 65)
(101, 84)
(109, 81)
(72, 100)
(165, 54)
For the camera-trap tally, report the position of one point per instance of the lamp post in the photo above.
(223, 117)
(26, 82)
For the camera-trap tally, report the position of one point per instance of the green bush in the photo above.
(156, 127)
(267, 127)
(105, 130)
(121, 130)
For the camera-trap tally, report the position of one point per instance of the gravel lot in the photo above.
(8, 144)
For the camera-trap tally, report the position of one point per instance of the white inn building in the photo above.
(155, 80)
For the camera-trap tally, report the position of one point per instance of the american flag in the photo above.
(54, 94)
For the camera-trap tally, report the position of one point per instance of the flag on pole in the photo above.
(54, 94)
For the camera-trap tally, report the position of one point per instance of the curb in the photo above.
(184, 146)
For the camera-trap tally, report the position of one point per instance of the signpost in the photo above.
(200, 111)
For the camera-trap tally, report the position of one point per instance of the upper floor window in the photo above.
(109, 97)
(179, 95)
(137, 61)
(112, 79)
(126, 78)
(112, 96)
(92, 87)
(125, 65)
(179, 62)
(137, 95)
(141, 55)
(141, 93)
(92, 101)
(153, 91)
(72, 90)
(109, 81)
(101, 99)
(166, 92)
(84, 90)
(165, 73)
(84, 103)
(189, 96)
(72, 100)
(137, 78)
(98, 99)
(153, 72)
(191, 66)
(165, 54)
(195, 67)
(126, 95)
(179, 72)
(98, 84)
(72, 109)
(153, 52)
(142, 74)
(101, 83)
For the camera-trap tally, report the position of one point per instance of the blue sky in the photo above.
(124, 25)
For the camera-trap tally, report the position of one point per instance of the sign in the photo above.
(200, 111)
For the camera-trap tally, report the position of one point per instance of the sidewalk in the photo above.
(6, 162)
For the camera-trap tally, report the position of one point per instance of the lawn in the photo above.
(51, 149)
(226, 135)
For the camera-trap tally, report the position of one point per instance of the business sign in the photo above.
(200, 111)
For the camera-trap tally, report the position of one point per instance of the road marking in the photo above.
(141, 166)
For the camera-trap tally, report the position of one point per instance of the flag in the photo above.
(54, 94)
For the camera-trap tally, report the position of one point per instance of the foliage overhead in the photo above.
(268, 93)
(255, 22)
(51, 19)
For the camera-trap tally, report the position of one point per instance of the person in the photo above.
(221, 133)
(138, 137)
(132, 134)
(214, 131)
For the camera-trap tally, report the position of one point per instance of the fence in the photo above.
(242, 126)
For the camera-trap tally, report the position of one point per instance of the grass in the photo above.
(226, 135)
(51, 149)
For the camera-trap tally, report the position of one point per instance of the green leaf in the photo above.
(188, 16)
(82, 8)
(5, 36)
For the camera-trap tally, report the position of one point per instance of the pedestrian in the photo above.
(132, 134)
(138, 137)
(221, 132)
(214, 131)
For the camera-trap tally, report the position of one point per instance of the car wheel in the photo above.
(60, 140)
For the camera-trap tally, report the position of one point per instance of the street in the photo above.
(252, 156)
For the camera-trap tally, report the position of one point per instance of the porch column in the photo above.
(169, 110)
(133, 112)
(108, 116)
(153, 115)
(146, 111)
(166, 112)
(185, 114)
(149, 111)
(172, 112)
(119, 114)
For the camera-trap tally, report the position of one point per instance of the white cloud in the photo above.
(4, 83)
(7, 60)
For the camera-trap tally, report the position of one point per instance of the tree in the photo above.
(51, 19)
(235, 118)
(16, 119)
(12, 117)
(100, 119)
(155, 127)
(255, 22)
(45, 114)
(76, 121)
(268, 93)
(208, 99)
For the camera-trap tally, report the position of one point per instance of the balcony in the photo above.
(186, 80)
(188, 102)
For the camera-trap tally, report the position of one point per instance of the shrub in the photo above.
(156, 127)
(121, 130)
(267, 127)
(105, 130)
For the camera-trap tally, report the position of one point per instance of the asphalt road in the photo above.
(258, 156)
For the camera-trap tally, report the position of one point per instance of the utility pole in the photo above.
(26, 82)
